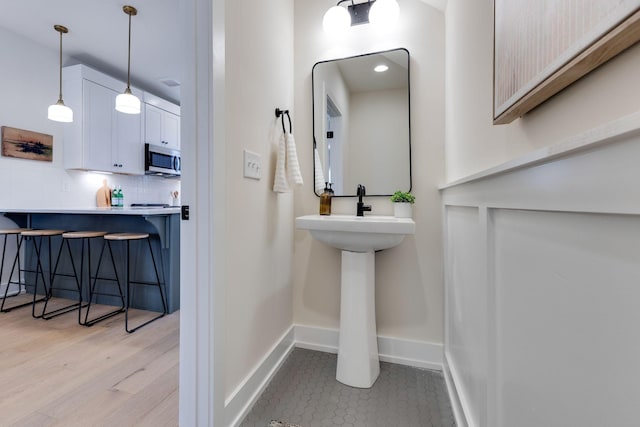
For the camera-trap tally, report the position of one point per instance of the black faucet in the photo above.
(362, 208)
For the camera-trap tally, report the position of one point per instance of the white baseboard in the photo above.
(240, 402)
(419, 354)
(394, 350)
(320, 339)
(454, 397)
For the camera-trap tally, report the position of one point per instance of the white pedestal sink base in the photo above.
(358, 364)
(358, 237)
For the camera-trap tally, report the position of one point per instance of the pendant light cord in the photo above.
(129, 57)
(60, 95)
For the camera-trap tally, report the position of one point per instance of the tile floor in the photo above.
(305, 392)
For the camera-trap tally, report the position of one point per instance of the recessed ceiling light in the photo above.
(381, 68)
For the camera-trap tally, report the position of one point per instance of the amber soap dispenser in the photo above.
(325, 199)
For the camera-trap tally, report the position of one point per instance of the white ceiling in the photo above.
(98, 33)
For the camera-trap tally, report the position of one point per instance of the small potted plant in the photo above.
(402, 204)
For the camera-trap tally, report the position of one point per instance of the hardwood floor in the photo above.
(58, 373)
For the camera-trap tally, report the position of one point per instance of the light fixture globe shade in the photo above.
(128, 103)
(336, 20)
(384, 14)
(59, 112)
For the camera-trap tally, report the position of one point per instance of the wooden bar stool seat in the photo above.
(6, 232)
(42, 233)
(128, 238)
(37, 236)
(13, 230)
(84, 237)
(83, 234)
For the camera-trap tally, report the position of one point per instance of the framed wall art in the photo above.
(26, 144)
(542, 46)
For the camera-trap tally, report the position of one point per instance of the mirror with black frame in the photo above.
(361, 124)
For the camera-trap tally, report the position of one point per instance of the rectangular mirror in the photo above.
(361, 124)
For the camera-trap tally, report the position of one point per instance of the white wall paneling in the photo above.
(541, 290)
(466, 320)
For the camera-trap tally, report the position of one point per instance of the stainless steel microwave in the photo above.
(161, 161)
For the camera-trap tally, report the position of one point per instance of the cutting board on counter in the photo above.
(103, 196)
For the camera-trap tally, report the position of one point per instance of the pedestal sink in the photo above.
(358, 238)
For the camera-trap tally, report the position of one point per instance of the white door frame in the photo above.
(202, 273)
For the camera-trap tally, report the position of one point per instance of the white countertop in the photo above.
(143, 211)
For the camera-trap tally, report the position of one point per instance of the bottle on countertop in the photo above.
(120, 197)
(114, 197)
(325, 199)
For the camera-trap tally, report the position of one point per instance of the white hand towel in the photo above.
(280, 184)
(318, 172)
(293, 168)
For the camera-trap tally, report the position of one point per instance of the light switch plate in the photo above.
(252, 165)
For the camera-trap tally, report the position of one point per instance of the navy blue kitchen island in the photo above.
(163, 224)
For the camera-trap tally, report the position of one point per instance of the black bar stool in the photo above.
(94, 292)
(128, 238)
(16, 261)
(37, 237)
(85, 238)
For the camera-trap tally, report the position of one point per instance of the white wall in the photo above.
(259, 227)
(408, 277)
(473, 143)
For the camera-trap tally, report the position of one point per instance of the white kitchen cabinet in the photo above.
(161, 127)
(100, 138)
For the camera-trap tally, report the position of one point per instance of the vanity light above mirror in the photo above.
(382, 14)
(361, 123)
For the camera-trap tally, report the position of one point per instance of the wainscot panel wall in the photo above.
(542, 281)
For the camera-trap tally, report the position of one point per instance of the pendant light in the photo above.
(127, 102)
(59, 112)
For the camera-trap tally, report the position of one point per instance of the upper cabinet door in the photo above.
(152, 125)
(103, 139)
(171, 130)
(112, 139)
(127, 146)
(98, 126)
(161, 127)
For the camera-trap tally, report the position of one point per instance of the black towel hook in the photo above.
(280, 114)
(289, 117)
